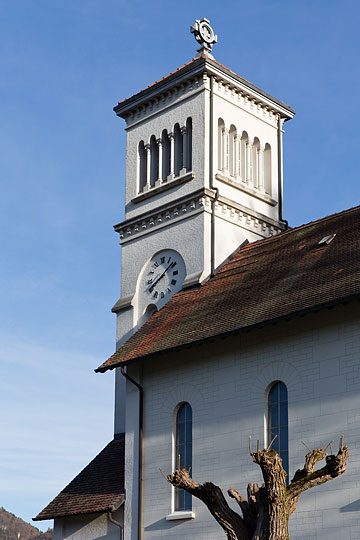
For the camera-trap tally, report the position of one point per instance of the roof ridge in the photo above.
(324, 218)
(271, 239)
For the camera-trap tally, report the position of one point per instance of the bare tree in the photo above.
(266, 510)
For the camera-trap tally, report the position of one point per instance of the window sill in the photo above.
(245, 188)
(183, 514)
(163, 187)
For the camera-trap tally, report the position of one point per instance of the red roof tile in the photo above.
(98, 488)
(263, 282)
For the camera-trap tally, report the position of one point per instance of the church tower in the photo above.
(203, 177)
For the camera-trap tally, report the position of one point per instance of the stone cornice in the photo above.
(247, 219)
(194, 77)
(183, 208)
(161, 208)
(190, 205)
(242, 87)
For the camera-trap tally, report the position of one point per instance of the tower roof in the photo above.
(97, 488)
(301, 270)
(196, 67)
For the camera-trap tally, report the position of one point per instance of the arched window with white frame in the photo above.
(245, 169)
(233, 154)
(183, 452)
(221, 157)
(278, 422)
(256, 163)
(267, 168)
(188, 163)
(154, 153)
(178, 148)
(165, 155)
(142, 167)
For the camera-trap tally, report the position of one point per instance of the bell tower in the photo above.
(203, 176)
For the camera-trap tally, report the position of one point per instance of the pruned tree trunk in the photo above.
(266, 510)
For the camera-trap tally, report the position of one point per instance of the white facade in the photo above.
(89, 526)
(226, 383)
(203, 177)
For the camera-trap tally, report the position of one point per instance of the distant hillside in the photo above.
(44, 535)
(14, 528)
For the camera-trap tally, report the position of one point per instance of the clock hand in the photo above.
(156, 279)
(151, 288)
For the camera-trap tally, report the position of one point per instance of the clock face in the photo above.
(163, 276)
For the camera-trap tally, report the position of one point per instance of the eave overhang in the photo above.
(195, 68)
(234, 332)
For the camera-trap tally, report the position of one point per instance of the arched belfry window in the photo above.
(221, 128)
(142, 166)
(256, 167)
(267, 169)
(188, 161)
(178, 158)
(233, 152)
(278, 422)
(165, 155)
(245, 157)
(183, 452)
(154, 169)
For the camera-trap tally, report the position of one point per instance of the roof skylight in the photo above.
(326, 240)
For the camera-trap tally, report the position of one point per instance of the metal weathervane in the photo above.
(204, 35)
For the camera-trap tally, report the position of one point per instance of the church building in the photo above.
(230, 324)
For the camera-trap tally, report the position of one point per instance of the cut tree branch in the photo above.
(232, 524)
(266, 511)
(308, 477)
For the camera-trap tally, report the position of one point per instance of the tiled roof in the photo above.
(98, 488)
(263, 282)
(201, 60)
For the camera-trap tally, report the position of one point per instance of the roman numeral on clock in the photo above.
(173, 282)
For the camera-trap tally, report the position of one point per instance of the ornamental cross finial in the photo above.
(204, 35)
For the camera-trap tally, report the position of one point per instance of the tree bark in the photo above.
(266, 510)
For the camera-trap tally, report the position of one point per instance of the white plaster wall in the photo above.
(186, 237)
(248, 200)
(120, 402)
(88, 527)
(193, 107)
(132, 457)
(228, 238)
(318, 359)
(190, 238)
(246, 117)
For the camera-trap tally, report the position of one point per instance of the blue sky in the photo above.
(64, 65)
